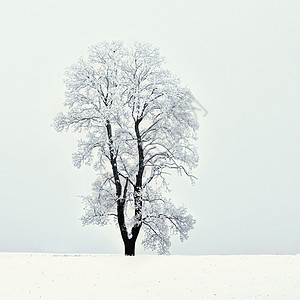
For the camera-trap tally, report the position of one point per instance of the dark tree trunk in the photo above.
(130, 247)
(129, 243)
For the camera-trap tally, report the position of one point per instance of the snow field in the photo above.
(50, 276)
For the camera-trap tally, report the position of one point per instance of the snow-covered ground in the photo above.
(50, 276)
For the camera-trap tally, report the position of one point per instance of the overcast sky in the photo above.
(241, 61)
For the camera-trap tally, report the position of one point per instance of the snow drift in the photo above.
(56, 276)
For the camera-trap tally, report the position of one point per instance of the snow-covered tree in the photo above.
(138, 126)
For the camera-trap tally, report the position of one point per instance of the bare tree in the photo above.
(138, 126)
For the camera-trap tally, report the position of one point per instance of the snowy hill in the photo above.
(55, 276)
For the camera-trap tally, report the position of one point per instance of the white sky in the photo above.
(240, 59)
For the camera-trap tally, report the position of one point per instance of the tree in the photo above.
(138, 127)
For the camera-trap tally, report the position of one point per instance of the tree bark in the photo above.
(129, 243)
(130, 247)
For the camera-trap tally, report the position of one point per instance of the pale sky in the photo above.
(241, 61)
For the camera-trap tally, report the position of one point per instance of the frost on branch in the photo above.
(137, 126)
(160, 218)
(98, 209)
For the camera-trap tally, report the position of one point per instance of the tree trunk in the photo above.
(130, 247)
